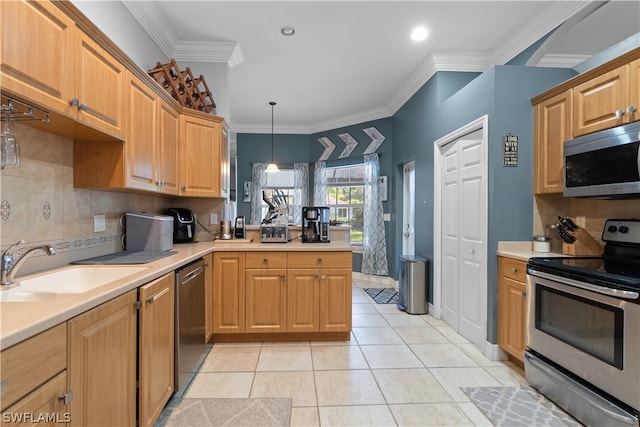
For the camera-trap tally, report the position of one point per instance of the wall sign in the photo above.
(510, 150)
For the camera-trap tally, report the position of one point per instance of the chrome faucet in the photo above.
(9, 268)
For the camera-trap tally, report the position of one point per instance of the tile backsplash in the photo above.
(39, 204)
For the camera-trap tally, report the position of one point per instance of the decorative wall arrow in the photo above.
(350, 142)
(376, 139)
(328, 148)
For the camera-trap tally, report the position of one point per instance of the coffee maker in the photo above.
(315, 224)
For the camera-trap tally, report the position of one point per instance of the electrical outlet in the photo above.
(99, 223)
(213, 218)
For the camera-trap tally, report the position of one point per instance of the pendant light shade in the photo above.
(272, 167)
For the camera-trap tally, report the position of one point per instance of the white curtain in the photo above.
(301, 183)
(374, 249)
(320, 184)
(258, 182)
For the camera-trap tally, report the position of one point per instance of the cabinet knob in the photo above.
(524, 294)
(319, 260)
(631, 109)
(283, 277)
(66, 398)
(316, 277)
(472, 251)
(619, 113)
(184, 188)
(265, 260)
(83, 107)
(513, 269)
(75, 102)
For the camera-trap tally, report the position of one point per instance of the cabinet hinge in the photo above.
(137, 305)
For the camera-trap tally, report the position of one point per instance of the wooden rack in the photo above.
(190, 92)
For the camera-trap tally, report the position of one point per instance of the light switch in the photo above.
(99, 223)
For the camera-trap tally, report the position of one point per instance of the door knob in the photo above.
(473, 251)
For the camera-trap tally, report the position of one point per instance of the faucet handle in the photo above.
(9, 251)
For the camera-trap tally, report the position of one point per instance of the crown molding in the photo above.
(224, 52)
(561, 61)
(263, 128)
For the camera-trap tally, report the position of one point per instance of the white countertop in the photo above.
(22, 320)
(523, 251)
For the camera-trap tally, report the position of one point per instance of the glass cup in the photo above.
(9, 147)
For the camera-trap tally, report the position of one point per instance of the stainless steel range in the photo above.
(583, 333)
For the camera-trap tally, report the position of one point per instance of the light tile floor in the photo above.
(397, 369)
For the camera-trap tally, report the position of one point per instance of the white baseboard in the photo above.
(493, 352)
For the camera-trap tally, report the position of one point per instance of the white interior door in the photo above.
(408, 209)
(463, 225)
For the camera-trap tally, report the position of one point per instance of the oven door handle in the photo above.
(616, 293)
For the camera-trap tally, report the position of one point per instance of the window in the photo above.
(284, 182)
(345, 197)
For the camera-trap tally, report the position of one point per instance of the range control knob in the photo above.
(623, 229)
(612, 229)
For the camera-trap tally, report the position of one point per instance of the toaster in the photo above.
(184, 225)
(147, 231)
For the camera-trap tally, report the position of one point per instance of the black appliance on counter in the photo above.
(583, 347)
(238, 229)
(184, 224)
(315, 224)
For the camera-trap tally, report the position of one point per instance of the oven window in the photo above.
(590, 326)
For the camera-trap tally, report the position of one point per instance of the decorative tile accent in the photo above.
(5, 210)
(46, 210)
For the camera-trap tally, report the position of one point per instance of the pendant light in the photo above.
(272, 167)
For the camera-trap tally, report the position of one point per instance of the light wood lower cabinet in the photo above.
(228, 292)
(34, 380)
(512, 305)
(155, 347)
(281, 292)
(102, 364)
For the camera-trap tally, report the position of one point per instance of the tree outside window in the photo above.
(345, 198)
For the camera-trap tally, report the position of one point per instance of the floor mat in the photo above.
(226, 412)
(517, 406)
(383, 295)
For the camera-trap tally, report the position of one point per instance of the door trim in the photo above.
(438, 147)
(406, 194)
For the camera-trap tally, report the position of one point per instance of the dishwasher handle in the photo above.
(191, 275)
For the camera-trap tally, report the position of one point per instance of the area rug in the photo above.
(226, 412)
(517, 406)
(383, 295)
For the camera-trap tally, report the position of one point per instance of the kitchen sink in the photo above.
(74, 280)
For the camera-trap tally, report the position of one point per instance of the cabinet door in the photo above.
(552, 126)
(199, 153)
(37, 53)
(156, 347)
(46, 402)
(208, 297)
(335, 300)
(102, 364)
(634, 91)
(100, 87)
(266, 300)
(595, 102)
(303, 296)
(512, 306)
(168, 149)
(141, 142)
(225, 171)
(228, 292)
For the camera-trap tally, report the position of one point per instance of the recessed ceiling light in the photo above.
(287, 31)
(419, 33)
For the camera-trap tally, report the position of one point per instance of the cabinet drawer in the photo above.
(319, 260)
(32, 362)
(513, 268)
(266, 260)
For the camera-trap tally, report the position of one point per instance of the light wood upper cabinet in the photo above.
(606, 100)
(102, 363)
(141, 145)
(100, 87)
(199, 155)
(168, 149)
(156, 347)
(38, 53)
(552, 126)
(512, 303)
(228, 292)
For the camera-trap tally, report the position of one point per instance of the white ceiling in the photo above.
(353, 61)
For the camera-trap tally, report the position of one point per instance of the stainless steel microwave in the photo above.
(604, 164)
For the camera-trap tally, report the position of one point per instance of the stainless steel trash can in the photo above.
(412, 293)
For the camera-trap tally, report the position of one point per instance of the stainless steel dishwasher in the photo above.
(189, 325)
